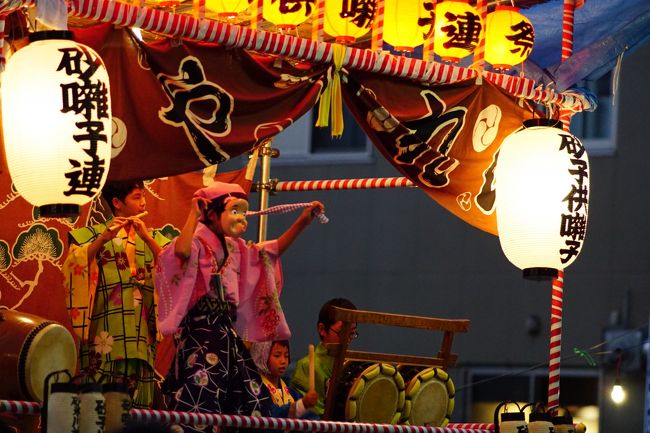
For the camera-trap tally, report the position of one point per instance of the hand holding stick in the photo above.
(119, 226)
(312, 375)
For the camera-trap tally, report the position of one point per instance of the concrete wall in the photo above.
(397, 251)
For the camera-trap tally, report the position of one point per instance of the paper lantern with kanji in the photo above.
(542, 198)
(509, 37)
(405, 24)
(286, 14)
(56, 111)
(348, 20)
(226, 9)
(458, 30)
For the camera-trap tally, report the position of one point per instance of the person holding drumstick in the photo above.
(272, 359)
(315, 375)
(110, 297)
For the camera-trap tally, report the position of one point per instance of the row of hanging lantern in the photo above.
(453, 26)
(66, 85)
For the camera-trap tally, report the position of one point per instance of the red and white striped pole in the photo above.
(318, 22)
(479, 52)
(567, 51)
(377, 36)
(427, 50)
(198, 9)
(266, 423)
(567, 29)
(342, 184)
(256, 15)
(555, 349)
(557, 292)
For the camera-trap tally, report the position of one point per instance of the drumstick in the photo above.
(312, 374)
(117, 226)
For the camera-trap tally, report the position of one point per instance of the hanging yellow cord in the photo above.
(331, 98)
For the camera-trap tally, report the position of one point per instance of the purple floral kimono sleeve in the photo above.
(259, 314)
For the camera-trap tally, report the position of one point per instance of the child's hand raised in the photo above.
(198, 205)
(310, 212)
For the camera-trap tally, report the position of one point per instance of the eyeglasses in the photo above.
(354, 334)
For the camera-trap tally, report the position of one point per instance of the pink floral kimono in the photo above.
(210, 303)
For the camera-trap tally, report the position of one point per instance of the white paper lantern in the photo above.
(542, 198)
(56, 111)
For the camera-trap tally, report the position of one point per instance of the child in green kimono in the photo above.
(110, 296)
(328, 331)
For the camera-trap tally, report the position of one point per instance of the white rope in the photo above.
(290, 207)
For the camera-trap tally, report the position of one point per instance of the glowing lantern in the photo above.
(542, 198)
(347, 23)
(226, 9)
(458, 30)
(168, 3)
(56, 111)
(509, 37)
(286, 14)
(402, 20)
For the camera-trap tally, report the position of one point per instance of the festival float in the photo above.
(443, 89)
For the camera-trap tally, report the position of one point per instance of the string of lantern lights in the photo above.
(454, 28)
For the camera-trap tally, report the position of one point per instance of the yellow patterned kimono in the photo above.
(112, 307)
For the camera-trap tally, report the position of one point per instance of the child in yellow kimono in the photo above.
(109, 286)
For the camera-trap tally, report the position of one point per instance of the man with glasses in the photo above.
(329, 333)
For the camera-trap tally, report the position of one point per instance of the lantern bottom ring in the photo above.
(404, 50)
(345, 40)
(59, 210)
(540, 274)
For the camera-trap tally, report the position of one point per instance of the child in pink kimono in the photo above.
(215, 289)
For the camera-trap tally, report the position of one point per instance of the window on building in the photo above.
(303, 143)
(597, 129)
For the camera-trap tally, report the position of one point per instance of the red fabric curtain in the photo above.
(444, 138)
(180, 107)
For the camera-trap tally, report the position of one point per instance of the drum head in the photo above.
(376, 396)
(429, 398)
(47, 349)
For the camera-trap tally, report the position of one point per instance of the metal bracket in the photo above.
(269, 151)
(270, 186)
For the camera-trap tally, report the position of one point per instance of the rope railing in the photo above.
(258, 422)
(266, 423)
(234, 36)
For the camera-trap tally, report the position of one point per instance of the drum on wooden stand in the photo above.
(31, 349)
(369, 392)
(429, 396)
